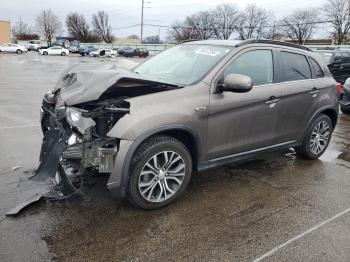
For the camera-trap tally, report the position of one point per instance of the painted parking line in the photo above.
(23, 126)
(274, 250)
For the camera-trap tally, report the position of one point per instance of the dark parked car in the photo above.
(338, 62)
(86, 51)
(128, 51)
(195, 106)
(345, 97)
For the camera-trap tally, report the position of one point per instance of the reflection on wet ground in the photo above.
(232, 213)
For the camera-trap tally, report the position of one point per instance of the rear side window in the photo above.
(257, 64)
(346, 57)
(317, 69)
(295, 67)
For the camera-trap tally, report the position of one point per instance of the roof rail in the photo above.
(274, 42)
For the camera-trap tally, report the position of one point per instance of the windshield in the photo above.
(326, 56)
(182, 64)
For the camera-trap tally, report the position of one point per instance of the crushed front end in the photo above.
(75, 139)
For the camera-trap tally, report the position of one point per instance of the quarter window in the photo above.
(317, 69)
(295, 67)
(257, 64)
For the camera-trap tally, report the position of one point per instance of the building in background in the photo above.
(5, 32)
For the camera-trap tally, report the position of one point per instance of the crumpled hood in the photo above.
(78, 85)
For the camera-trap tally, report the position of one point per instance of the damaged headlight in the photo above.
(73, 116)
(75, 119)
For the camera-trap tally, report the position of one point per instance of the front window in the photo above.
(183, 64)
(257, 64)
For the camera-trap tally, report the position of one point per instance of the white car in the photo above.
(54, 50)
(13, 48)
(33, 45)
(104, 53)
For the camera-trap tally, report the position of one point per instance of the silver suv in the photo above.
(195, 106)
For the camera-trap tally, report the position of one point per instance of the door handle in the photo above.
(272, 101)
(314, 92)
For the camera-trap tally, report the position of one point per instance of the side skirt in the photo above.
(244, 155)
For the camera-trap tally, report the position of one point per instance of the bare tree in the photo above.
(338, 12)
(300, 25)
(202, 24)
(21, 28)
(101, 26)
(153, 39)
(180, 32)
(77, 26)
(133, 37)
(225, 19)
(48, 24)
(253, 22)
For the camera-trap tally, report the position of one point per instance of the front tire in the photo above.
(45, 53)
(63, 53)
(159, 172)
(19, 51)
(317, 138)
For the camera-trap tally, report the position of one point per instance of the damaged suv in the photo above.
(195, 106)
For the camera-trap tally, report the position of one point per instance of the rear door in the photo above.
(241, 122)
(345, 66)
(300, 92)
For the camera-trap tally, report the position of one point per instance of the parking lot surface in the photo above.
(274, 208)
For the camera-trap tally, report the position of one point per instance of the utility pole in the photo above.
(273, 30)
(142, 8)
(143, 3)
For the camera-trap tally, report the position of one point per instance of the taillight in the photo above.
(339, 88)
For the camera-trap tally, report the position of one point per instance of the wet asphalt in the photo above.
(237, 212)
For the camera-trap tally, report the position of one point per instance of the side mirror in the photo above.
(236, 83)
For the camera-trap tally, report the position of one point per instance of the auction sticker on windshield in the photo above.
(206, 51)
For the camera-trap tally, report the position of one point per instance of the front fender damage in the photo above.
(76, 119)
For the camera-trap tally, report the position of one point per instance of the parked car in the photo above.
(338, 62)
(345, 97)
(128, 51)
(86, 51)
(54, 50)
(73, 49)
(34, 45)
(103, 53)
(13, 48)
(230, 100)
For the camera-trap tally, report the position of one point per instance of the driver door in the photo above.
(242, 122)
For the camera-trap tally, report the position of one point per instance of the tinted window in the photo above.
(258, 65)
(338, 57)
(295, 67)
(346, 57)
(317, 69)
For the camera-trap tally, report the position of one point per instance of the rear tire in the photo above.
(317, 138)
(45, 53)
(159, 172)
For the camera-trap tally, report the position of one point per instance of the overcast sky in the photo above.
(128, 12)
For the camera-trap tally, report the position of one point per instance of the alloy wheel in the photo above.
(320, 137)
(162, 176)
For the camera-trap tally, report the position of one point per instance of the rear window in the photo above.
(295, 67)
(317, 69)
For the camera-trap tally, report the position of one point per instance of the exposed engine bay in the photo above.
(75, 120)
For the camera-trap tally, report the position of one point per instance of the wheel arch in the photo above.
(184, 134)
(332, 114)
(329, 111)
